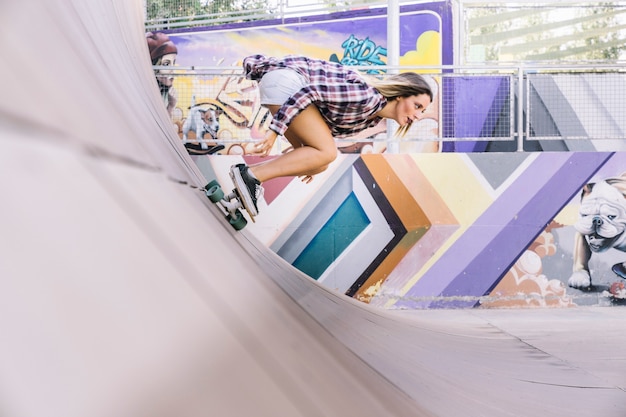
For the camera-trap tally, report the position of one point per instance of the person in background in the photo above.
(313, 101)
(163, 52)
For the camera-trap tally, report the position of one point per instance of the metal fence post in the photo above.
(520, 109)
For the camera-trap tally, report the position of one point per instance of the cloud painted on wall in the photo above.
(427, 50)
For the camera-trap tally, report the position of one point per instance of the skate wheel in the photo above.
(238, 222)
(215, 193)
(211, 184)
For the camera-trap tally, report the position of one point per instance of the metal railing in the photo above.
(516, 105)
(590, 102)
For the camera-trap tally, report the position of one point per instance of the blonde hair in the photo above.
(405, 84)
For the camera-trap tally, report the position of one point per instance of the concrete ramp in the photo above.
(123, 293)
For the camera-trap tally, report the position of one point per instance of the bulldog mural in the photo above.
(600, 227)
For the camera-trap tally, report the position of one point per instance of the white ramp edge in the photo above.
(123, 294)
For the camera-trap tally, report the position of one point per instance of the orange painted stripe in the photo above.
(402, 201)
(382, 272)
(422, 190)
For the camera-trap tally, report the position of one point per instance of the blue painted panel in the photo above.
(341, 229)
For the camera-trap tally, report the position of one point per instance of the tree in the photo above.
(607, 45)
(184, 13)
(545, 32)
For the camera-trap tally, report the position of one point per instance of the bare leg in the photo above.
(314, 148)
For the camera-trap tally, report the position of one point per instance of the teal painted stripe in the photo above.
(333, 238)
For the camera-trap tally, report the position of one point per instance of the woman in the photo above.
(312, 102)
(163, 52)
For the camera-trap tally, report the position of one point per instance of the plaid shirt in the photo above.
(343, 98)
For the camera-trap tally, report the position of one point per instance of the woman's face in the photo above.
(164, 76)
(410, 109)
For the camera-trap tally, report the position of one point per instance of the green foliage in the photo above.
(546, 31)
(207, 10)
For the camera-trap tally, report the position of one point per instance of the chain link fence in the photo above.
(174, 14)
(589, 102)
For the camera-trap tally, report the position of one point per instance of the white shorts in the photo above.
(278, 85)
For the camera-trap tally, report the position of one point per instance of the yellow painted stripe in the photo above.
(456, 183)
(421, 189)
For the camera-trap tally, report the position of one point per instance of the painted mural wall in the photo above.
(358, 37)
(453, 230)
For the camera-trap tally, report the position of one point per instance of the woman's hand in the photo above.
(264, 147)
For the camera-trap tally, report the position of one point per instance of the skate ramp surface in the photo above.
(123, 293)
